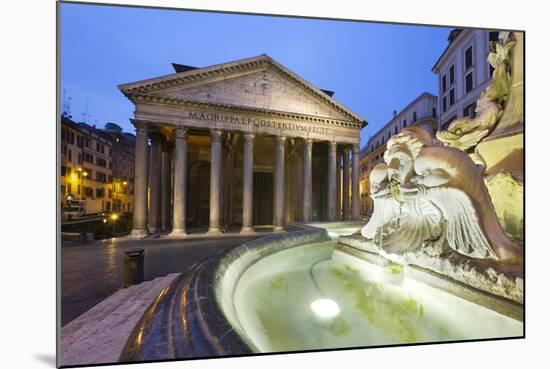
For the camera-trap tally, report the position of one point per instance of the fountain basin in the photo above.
(302, 291)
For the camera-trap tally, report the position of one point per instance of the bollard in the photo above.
(133, 267)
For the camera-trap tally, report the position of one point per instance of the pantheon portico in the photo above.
(246, 143)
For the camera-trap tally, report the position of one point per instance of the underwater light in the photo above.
(325, 308)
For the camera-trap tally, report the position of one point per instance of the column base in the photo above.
(138, 233)
(214, 231)
(177, 233)
(247, 230)
(278, 229)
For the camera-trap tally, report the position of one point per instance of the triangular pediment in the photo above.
(255, 83)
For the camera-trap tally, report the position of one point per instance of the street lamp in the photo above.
(82, 175)
(81, 184)
(125, 194)
(85, 174)
(116, 191)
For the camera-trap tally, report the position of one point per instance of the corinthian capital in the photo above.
(216, 135)
(332, 146)
(181, 132)
(280, 140)
(248, 137)
(141, 127)
(308, 143)
(355, 148)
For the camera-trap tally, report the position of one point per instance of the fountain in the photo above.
(444, 205)
(438, 261)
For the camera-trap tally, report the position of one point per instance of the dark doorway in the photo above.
(263, 198)
(198, 194)
(319, 182)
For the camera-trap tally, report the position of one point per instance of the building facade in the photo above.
(122, 182)
(421, 112)
(244, 143)
(87, 158)
(463, 73)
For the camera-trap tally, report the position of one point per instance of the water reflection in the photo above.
(311, 298)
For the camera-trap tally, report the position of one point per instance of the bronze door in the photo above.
(263, 198)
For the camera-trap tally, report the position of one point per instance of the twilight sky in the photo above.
(373, 68)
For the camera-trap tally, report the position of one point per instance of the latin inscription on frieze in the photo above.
(256, 122)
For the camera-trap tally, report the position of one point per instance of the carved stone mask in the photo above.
(400, 163)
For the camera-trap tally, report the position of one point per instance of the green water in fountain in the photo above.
(377, 305)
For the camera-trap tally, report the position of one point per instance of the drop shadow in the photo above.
(48, 359)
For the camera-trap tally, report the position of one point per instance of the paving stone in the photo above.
(92, 272)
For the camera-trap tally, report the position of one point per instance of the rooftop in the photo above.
(422, 95)
(103, 133)
(452, 37)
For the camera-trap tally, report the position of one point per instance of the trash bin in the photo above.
(133, 267)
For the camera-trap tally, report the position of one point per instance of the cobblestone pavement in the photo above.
(93, 271)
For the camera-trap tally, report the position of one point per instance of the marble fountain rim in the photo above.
(211, 330)
(202, 328)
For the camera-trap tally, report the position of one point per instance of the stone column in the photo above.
(139, 229)
(223, 166)
(338, 184)
(248, 183)
(355, 198)
(279, 198)
(331, 186)
(345, 184)
(308, 144)
(215, 181)
(180, 183)
(166, 187)
(155, 183)
(228, 181)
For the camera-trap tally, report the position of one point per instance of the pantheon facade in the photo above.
(242, 144)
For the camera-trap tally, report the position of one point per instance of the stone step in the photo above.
(102, 308)
(111, 304)
(79, 326)
(104, 339)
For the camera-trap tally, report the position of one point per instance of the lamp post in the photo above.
(82, 175)
(124, 183)
(114, 194)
